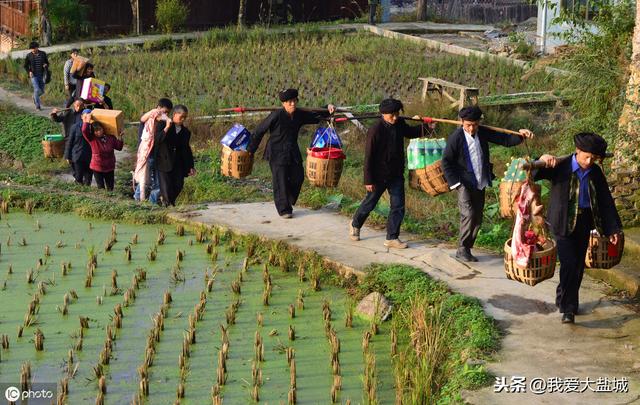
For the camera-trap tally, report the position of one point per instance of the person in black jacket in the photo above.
(282, 150)
(77, 152)
(174, 158)
(580, 201)
(36, 63)
(87, 73)
(384, 170)
(467, 168)
(68, 117)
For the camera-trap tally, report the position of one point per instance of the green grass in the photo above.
(20, 134)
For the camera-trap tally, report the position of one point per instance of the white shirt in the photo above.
(475, 153)
(178, 129)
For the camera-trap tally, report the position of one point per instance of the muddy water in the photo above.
(69, 240)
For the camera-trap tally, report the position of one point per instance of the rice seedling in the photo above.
(47, 251)
(180, 230)
(5, 342)
(102, 385)
(25, 376)
(161, 237)
(4, 206)
(134, 239)
(153, 252)
(300, 300)
(23, 242)
(201, 235)
(127, 253)
(292, 333)
(30, 276)
(29, 205)
(10, 270)
(39, 340)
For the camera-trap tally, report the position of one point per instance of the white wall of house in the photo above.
(552, 38)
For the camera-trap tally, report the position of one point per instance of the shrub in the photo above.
(171, 15)
(68, 18)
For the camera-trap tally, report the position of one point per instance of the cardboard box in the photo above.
(79, 64)
(236, 138)
(93, 90)
(111, 120)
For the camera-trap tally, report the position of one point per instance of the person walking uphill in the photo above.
(467, 168)
(580, 201)
(36, 63)
(103, 157)
(69, 81)
(282, 150)
(384, 170)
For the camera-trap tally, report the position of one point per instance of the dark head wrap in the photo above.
(390, 106)
(471, 113)
(592, 143)
(289, 94)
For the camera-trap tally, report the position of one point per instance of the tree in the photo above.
(44, 24)
(626, 160)
(242, 12)
(135, 16)
(421, 10)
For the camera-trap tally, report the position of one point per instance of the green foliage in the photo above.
(469, 333)
(171, 14)
(21, 134)
(68, 19)
(598, 66)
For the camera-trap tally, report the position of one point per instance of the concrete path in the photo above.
(602, 344)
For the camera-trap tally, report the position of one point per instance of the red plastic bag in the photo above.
(326, 153)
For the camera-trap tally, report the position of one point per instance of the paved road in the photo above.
(603, 342)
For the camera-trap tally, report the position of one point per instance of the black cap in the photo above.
(288, 94)
(590, 142)
(471, 113)
(390, 106)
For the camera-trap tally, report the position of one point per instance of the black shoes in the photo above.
(465, 255)
(568, 318)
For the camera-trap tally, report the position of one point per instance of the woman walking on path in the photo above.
(103, 147)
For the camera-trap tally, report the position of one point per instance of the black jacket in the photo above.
(456, 160)
(605, 214)
(384, 155)
(35, 63)
(173, 152)
(77, 149)
(68, 119)
(282, 146)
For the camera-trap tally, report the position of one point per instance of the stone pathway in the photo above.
(603, 342)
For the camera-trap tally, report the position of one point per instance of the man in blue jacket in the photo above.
(468, 169)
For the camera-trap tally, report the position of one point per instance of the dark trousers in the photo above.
(71, 93)
(572, 250)
(171, 184)
(287, 182)
(373, 8)
(471, 206)
(395, 187)
(82, 173)
(105, 179)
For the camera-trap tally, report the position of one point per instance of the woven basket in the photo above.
(53, 149)
(324, 172)
(509, 192)
(431, 179)
(235, 163)
(542, 264)
(599, 255)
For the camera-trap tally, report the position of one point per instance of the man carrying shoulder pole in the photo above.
(468, 169)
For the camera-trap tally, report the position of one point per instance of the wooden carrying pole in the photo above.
(539, 164)
(240, 110)
(428, 120)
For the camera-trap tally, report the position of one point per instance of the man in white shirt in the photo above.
(468, 169)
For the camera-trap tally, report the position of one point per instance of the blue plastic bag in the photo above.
(326, 137)
(237, 137)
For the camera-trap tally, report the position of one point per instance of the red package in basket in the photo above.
(612, 250)
(326, 153)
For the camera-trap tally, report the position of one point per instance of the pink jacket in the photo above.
(103, 158)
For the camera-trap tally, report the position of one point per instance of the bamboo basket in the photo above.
(541, 266)
(509, 192)
(599, 255)
(53, 149)
(235, 163)
(431, 179)
(324, 172)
